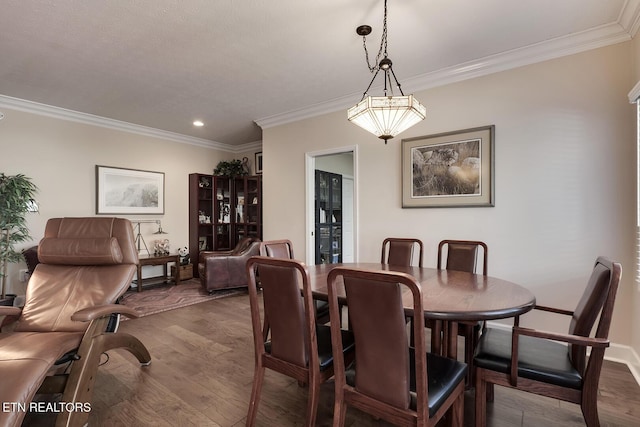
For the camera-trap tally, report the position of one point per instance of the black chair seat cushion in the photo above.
(538, 359)
(323, 337)
(443, 374)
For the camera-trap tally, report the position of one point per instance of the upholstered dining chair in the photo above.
(298, 347)
(85, 264)
(553, 364)
(399, 251)
(283, 248)
(461, 255)
(389, 379)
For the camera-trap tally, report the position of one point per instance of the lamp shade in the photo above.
(387, 116)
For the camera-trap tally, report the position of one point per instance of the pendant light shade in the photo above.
(387, 116)
(384, 116)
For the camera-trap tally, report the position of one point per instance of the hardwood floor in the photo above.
(202, 372)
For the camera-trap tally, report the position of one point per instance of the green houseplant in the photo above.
(231, 168)
(16, 196)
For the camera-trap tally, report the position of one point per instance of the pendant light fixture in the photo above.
(385, 116)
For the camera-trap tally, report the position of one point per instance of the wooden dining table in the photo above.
(447, 296)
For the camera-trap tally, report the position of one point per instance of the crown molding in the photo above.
(90, 119)
(243, 148)
(620, 31)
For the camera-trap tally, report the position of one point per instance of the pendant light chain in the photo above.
(383, 44)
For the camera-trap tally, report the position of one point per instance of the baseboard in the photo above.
(615, 353)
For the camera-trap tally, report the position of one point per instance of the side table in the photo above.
(163, 260)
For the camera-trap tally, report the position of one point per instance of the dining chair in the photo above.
(283, 248)
(553, 364)
(399, 251)
(460, 255)
(389, 379)
(298, 347)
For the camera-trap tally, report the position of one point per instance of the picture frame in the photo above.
(122, 191)
(451, 169)
(259, 162)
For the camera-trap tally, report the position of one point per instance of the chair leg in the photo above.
(312, 403)
(590, 414)
(480, 400)
(258, 378)
(457, 411)
(339, 412)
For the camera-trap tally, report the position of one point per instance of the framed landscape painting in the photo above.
(453, 169)
(121, 191)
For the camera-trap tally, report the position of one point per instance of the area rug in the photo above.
(164, 298)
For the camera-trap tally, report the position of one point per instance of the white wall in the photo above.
(60, 156)
(564, 169)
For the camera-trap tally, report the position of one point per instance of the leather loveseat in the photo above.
(226, 269)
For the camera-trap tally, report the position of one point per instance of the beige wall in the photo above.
(564, 169)
(60, 156)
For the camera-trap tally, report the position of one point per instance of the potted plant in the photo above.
(231, 168)
(16, 197)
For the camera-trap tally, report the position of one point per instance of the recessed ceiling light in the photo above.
(198, 123)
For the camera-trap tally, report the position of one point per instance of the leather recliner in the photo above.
(226, 269)
(64, 327)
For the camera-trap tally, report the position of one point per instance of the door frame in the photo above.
(310, 166)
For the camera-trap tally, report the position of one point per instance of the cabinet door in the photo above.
(222, 213)
(328, 214)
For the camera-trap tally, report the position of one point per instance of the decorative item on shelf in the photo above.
(204, 182)
(184, 256)
(161, 247)
(230, 168)
(137, 228)
(203, 218)
(225, 217)
(245, 166)
(202, 243)
(385, 116)
(16, 199)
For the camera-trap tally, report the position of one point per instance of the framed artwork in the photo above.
(259, 162)
(453, 169)
(121, 191)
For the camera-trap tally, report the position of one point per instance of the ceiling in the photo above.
(162, 64)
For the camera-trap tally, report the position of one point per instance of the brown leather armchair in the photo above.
(64, 327)
(226, 269)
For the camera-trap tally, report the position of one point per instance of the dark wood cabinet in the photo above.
(328, 217)
(222, 210)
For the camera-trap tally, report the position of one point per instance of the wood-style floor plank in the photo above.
(202, 372)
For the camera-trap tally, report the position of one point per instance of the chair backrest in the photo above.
(84, 262)
(399, 251)
(462, 255)
(597, 300)
(244, 244)
(377, 319)
(291, 318)
(277, 249)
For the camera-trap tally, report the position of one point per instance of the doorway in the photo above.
(342, 161)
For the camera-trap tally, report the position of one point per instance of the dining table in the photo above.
(448, 296)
